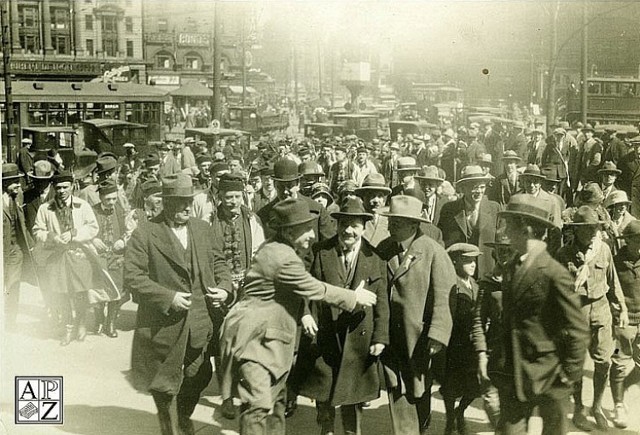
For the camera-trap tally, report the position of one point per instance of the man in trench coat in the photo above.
(179, 282)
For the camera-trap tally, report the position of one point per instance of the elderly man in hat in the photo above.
(625, 362)
(595, 281)
(16, 241)
(344, 371)
(507, 183)
(342, 170)
(110, 245)
(151, 191)
(471, 218)
(178, 278)
(607, 176)
(545, 333)
(421, 277)
(64, 228)
(406, 169)
(258, 334)
(430, 182)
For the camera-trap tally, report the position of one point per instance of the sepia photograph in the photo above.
(334, 217)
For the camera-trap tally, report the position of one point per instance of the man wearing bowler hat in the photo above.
(545, 333)
(420, 278)
(16, 240)
(178, 278)
(471, 218)
(40, 192)
(607, 176)
(258, 334)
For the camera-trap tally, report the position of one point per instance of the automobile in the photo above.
(248, 118)
(319, 129)
(212, 135)
(101, 135)
(60, 138)
(410, 127)
(365, 126)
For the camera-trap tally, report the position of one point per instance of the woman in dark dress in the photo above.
(460, 379)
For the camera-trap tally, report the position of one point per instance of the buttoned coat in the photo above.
(545, 332)
(419, 292)
(453, 224)
(340, 369)
(155, 270)
(502, 190)
(23, 237)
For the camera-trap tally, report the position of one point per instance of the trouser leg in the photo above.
(513, 413)
(12, 270)
(254, 390)
(326, 416)
(351, 419)
(163, 404)
(275, 421)
(404, 415)
(553, 412)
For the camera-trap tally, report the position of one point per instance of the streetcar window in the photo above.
(627, 89)
(594, 88)
(609, 88)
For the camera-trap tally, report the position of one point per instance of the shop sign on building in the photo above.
(55, 67)
(193, 39)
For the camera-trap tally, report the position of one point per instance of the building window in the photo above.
(61, 44)
(109, 23)
(163, 25)
(89, 46)
(192, 62)
(59, 19)
(30, 43)
(88, 22)
(128, 24)
(29, 17)
(109, 35)
(163, 61)
(129, 48)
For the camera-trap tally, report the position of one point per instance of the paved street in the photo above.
(100, 401)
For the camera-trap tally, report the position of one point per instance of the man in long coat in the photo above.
(629, 166)
(342, 370)
(179, 282)
(420, 279)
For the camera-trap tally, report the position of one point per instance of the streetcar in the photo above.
(610, 100)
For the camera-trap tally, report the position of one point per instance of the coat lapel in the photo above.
(164, 241)
(334, 271)
(461, 219)
(527, 274)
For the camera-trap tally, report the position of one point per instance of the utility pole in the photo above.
(553, 52)
(217, 59)
(243, 43)
(6, 64)
(320, 70)
(584, 64)
(295, 77)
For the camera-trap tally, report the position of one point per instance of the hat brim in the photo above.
(497, 244)
(11, 177)
(534, 217)
(584, 224)
(286, 179)
(404, 216)
(422, 177)
(541, 177)
(340, 214)
(610, 171)
(372, 189)
(311, 218)
(30, 174)
(84, 172)
(413, 168)
(484, 178)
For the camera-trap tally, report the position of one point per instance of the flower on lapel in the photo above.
(407, 261)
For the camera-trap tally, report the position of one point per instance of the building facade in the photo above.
(77, 40)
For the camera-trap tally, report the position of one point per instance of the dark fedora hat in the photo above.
(373, 182)
(291, 212)
(405, 206)
(609, 167)
(352, 207)
(178, 185)
(533, 171)
(10, 171)
(585, 215)
(285, 170)
(529, 206)
(106, 164)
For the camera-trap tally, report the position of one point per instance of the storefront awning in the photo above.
(193, 90)
(85, 92)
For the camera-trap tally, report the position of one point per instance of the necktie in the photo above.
(473, 218)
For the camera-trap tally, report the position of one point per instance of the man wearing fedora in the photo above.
(471, 218)
(430, 181)
(629, 178)
(545, 332)
(258, 334)
(590, 156)
(40, 191)
(16, 240)
(342, 170)
(536, 147)
(625, 362)
(420, 278)
(63, 229)
(374, 192)
(607, 176)
(561, 153)
(590, 262)
(177, 278)
(507, 183)
(338, 357)
(406, 169)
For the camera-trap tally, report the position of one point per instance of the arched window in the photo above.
(164, 60)
(192, 61)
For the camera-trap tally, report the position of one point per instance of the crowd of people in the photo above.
(489, 261)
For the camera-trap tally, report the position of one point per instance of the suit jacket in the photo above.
(262, 326)
(453, 224)
(419, 292)
(339, 368)
(23, 236)
(545, 332)
(630, 180)
(155, 269)
(441, 200)
(502, 189)
(32, 203)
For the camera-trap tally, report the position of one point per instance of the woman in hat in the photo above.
(460, 380)
(258, 334)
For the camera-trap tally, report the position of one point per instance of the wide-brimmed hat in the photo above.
(291, 212)
(42, 170)
(285, 170)
(347, 186)
(352, 207)
(472, 173)
(405, 206)
(590, 194)
(406, 164)
(463, 250)
(500, 239)
(548, 172)
(585, 215)
(429, 173)
(529, 206)
(616, 197)
(533, 171)
(178, 186)
(511, 155)
(631, 230)
(587, 127)
(10, 171)
(106, 164)
(151, 187)
(608, 167)
(373, 182)
(484, 159)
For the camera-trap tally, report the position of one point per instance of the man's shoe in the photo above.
(228, 409)
(601, 420)
(68, 336)
(580, 421)
(621, 419)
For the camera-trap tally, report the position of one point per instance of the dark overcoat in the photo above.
(154, 270)
(630, 180)
(340, 369)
